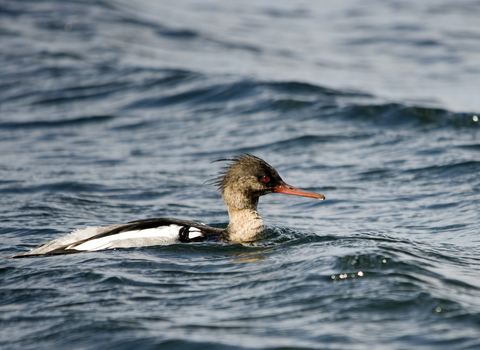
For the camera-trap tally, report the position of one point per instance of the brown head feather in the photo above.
(243, 166)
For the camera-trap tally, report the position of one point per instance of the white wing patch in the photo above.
(194, 232)
(137, 238)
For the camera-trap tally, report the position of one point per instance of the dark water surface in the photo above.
(112, 112)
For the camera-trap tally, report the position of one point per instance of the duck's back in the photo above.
(140, 233)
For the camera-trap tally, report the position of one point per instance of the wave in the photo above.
(449, 171)
(394, 114)
(136, 88)
(57, 123)
(242, 96)
(204, 92)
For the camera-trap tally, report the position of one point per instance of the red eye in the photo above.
(265, 179)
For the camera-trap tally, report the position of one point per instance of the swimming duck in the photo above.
(241, 183)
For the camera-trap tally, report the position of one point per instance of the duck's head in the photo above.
(248, 177)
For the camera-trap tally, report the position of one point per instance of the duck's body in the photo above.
(241, 184)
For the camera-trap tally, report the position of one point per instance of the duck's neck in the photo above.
(245, 223)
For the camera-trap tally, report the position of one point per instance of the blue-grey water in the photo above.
(113, 111)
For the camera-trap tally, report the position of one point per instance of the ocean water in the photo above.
(112, 111)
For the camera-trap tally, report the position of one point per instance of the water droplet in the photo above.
(360, 273)
(438, 309)
(68, 26)
(475, 118)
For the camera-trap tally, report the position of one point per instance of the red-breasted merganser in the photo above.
(241, 184)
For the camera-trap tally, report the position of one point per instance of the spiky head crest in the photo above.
(248, 173)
